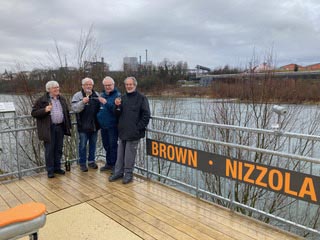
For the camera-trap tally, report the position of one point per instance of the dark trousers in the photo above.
(127, 151)
(109, 138)
(53, 150)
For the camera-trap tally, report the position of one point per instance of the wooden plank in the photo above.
(130, 226)
(85, 187)
(191, 226)
(210, 212)
(155, 221)
(10, 199)
(56, 199)
(56, 186)
(3, 204)
(150, 210)
(37, 196)
(18, 192)
(127, 216)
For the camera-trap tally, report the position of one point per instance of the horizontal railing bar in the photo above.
(286, 155)
(248, 129)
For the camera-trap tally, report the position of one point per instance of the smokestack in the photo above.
(102, 59)
(146, 56)
(140, 60)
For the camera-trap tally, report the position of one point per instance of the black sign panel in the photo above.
(294, 184)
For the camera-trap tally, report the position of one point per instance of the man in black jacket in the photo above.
(134, 115)
(86, 104)
(53, 122)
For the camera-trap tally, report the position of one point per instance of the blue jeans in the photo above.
(109, 138)
(84, 138)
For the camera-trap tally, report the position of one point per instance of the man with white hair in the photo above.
(86, 105)
(53, 122)
(108, 123)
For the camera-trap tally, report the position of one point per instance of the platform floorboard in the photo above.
(148, 209)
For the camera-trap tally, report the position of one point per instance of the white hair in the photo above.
(87, 80)
(134, 80)
(51, 84)
(108, 78)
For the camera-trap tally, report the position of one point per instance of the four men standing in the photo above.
(121, 118)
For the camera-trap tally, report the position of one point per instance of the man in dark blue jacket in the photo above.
(86, 104)
(134, 116)
(108, 123)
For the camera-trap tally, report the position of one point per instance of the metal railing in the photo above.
(21, 154)
(297, 153)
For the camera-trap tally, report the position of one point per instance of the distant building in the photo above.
(296, 67)
(7, 76)
(292, 67)
(130, 64)
(263, 67)
(313, 67)
(96, 66)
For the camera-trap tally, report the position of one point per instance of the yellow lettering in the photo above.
(248, 173)
(162, 150)
(231, 168)
(181, 155)
(154, 148)
(192, 158)
(240, 170)
(307, 188)
(263, 172)
(170, 152)
(271, 180)
(287, 189)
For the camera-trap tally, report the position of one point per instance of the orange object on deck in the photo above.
(22, 220)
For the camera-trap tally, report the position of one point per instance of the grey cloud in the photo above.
(208, 32)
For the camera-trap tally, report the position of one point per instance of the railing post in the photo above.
(232, 206)
(17, 146)
(147, 163)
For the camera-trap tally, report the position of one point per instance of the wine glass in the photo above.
(88, 93)
(119, 99)
(49, 104)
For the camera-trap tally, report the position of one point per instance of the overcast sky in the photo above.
(211, 33)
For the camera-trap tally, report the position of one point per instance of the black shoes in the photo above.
(127, 180)
(106, 168)
(113, 178)
(93, 165)
(50, 175)
(83, 168)
(59, 171)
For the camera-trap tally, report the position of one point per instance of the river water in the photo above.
(301, 118)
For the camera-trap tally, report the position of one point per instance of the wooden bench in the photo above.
(23, 220)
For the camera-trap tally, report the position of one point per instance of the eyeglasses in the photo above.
(107, 85)
(88, 84)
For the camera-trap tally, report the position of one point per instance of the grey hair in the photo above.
(51, 84)
(86, 80)
(108, 78)
(134, 80)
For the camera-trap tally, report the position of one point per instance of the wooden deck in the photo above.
(148, 209)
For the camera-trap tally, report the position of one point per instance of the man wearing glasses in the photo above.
(86, 104)
(108, 122)
(53, 122)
